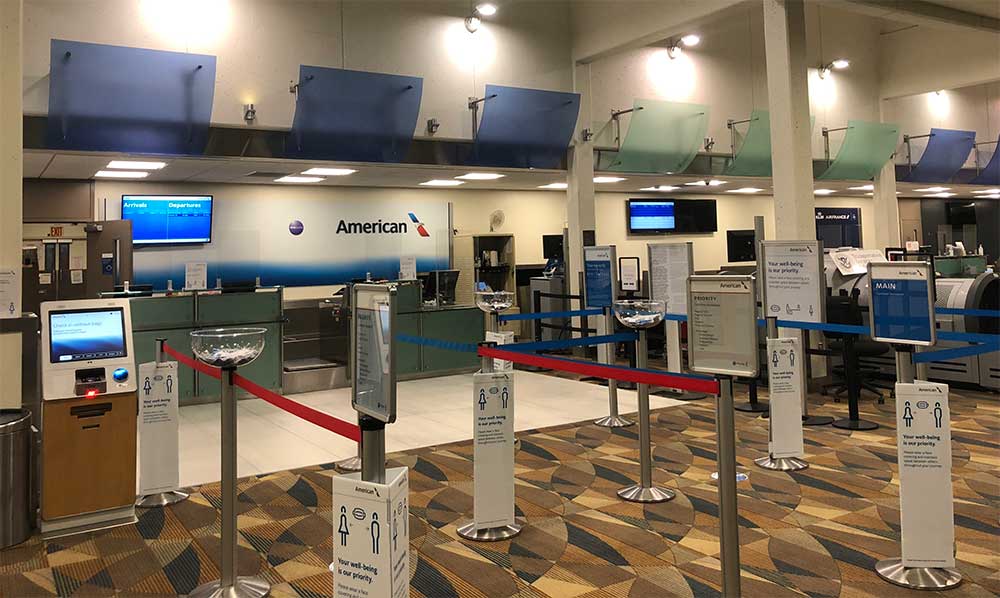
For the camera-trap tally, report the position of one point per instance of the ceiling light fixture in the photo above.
(673, 51)
(839, 64)
(986, 191)
(690, 40)
(442, 183)
(486, 9)
(554, 186)
(608, 179)
(933, 189)
(660, 188)
(745, 190)
(711, 183)
(291, 178)
(823, 191)
(941, 195)
(863, 188)
(472, 23)
(991, 196)
(481, 176)
(329, 171)
(135, 165)
(122, 174)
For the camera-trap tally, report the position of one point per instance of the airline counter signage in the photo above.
(902, 304)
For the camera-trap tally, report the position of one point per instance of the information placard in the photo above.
(784, 387)
(794, 283)
(158, 428)
(374, 375)
(10, 293)
(852, 262)
(195, 276)
(493, 446)
(670, 265)
(599, 275)
(408, 267)
(722, 325)
(923, 445)
(902, 304)
(628, 273)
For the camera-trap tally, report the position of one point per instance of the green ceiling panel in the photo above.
(866, 148)
(754, 156)
(663, 137)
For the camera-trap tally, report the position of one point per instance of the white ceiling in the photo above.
(82, 166)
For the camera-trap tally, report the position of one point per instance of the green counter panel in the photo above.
(180, 339)
(408, 354)
(152, 313)
(238, 308)
(456, 325)
(265, 370)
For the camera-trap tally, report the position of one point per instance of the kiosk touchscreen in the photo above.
(87, 348)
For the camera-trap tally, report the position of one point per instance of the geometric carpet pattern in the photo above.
(815, 533)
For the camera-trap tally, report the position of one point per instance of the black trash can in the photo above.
(15, 476)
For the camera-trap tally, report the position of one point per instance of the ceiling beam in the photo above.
(922, 12)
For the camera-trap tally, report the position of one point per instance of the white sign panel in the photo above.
(501, 338)
(722, 325)
(371, 537)
(784, 375)
(628, 273)
(851, 262)
(10, 293)
(408, 267)
(493, 445)
(670, 265)
(923, 443)
(794, 283)
(158, 428)
(196, 276)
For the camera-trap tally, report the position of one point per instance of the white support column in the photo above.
(886, 208)
(580, 209)
(788, 97)
(11, 174)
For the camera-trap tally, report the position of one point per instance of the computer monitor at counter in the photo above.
(439, 286)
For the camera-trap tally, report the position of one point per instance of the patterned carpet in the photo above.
(816, 533)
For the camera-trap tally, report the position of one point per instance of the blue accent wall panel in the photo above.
(354, 116)
(946, 152)
(991, 174)
(115, 98)
(525, 128)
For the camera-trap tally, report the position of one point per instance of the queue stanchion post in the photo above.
(640, 315)
(613, 419)
(770, 461)
(229, 349)
(893, 570)
(729, 536)
(160, 499)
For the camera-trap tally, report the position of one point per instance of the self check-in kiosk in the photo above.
(89, 407)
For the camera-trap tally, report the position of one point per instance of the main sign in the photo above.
(722, 325)
(794, 282)
(373, 391)
(902, 304)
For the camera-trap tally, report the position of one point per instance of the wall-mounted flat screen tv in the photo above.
(661, 216)
(169, 219)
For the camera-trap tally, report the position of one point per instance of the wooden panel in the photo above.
(88, 462)
(58, 201)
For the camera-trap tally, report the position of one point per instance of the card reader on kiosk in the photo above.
(89, 410)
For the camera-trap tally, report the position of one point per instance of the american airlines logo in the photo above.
(420, 226)
(381, 227)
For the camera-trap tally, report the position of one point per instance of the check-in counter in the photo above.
(454, 323)
(174, 317)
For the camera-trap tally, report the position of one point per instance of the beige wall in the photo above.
(920, 59)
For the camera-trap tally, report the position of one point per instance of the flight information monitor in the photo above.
(169, 219)
(651, 216)
(86, 335)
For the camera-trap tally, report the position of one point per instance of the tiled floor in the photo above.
(432, 411)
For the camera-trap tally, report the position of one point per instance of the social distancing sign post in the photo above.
(794, 282)
(158, 428)
(493, 446)
(784, 375)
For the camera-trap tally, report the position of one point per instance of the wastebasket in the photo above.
(15, 476)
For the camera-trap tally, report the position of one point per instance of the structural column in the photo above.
(886, 207)
(788, 98)
(580, 209)
(11, 146)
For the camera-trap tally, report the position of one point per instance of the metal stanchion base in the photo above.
(740, 476)
(680, 395)
(490, 534)
(638, 493)
(614, 421)
(245, 587)
(816, 420)
(917, 578)
(160, 499)
(749, 407)
(781, 463)
(855, 424)
(349, 464)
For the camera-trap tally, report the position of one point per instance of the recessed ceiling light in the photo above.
(554, 186)
(933, 189)
(986, 191)
(661, 188)
(122, 174)
(941, 195)
(481, 176)
(870, 194)
(824, 191)
(745, 190)
(298, 179)
(329, 171)
(690, 40)
(486, 9)
(711, 183)
(442, 183)
(991, 196)
(863, 188)
(136, 165)
(608, 179)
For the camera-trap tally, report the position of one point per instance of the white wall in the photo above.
(260, 44)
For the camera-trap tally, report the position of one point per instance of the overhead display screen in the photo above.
(664, 216)
(653, 216)
(85, 335)
(169, 219)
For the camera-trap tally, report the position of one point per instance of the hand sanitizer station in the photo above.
(89, 407)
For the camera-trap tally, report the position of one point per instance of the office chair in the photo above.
(844, 309)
